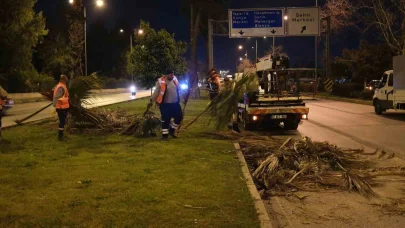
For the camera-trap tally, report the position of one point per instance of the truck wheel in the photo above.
(377, 108)
(291, 125)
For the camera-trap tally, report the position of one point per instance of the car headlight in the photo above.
(133, 89)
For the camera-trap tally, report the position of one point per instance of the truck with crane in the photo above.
(277, 101)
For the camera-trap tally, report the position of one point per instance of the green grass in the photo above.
(109, 180)
(329, 96)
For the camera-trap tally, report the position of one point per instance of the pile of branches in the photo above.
(145, 125)
(99, 119)
(291, 165)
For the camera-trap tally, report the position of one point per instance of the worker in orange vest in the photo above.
(3, 97)
(61, 103)
(214, 83)
(167, 97)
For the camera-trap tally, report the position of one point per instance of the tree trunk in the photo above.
(194, 31)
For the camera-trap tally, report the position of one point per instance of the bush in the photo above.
(346, 89)
(364, 95)
(111, 83)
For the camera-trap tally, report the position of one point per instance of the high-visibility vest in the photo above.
(163, 87)
(3, 94)
(63, 102)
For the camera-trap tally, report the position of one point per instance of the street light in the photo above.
(71, 1)
(240, 59)
(285, 17)
(140, 32)
(121, 30)
(240, 47)
(100, 3)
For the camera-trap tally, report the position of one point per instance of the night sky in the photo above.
(167, 14)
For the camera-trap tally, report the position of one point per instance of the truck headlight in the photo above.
(255, 118)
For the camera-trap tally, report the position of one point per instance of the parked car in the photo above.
(9, 104)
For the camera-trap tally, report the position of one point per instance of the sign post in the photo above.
(303, 22)
(246, 23)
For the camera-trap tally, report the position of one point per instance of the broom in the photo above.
(19, 122)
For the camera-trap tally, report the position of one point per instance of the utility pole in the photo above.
(316, 51)
(85, 40)
(328, 46)
(210, 45)
(256, 51)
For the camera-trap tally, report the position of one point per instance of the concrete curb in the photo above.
(48, 118)
(343, 99)
(260, 208)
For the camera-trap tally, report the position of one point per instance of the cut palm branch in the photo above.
(285, 165)
(225, 104)
(32, 115)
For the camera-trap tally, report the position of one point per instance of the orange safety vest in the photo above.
(63, 102)
(163, 86)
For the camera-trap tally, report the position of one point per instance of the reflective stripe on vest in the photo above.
(162, 85)
(63, 102)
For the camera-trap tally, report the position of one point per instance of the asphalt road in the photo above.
(20, 111)
(355, 126)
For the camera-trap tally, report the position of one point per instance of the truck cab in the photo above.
(390, 92)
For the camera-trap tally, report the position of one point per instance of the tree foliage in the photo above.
(386, 17)
(370, 61)
(154, 52)
(340, 13)
(56, 56)
(22, 29)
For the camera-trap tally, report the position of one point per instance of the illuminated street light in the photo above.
(240, 47)
(140, 31)
(71, 1)
(240, 59)
(285, 17)
(121, 30)
(100, 3)
(264, 37)
(253, 47)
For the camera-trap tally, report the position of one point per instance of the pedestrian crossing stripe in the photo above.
(328, 85)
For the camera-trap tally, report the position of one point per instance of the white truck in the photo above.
(390, 93)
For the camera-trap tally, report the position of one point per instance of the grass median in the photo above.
(109, 180)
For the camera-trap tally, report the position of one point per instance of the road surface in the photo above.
(355, 125)
(20, 111)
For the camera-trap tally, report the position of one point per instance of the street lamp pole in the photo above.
(85, 39)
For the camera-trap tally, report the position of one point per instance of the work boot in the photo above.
(60, 135)
(165, 137)
(172, 133)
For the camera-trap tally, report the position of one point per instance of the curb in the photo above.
(39, 121)
(260, 208)
(347, 100)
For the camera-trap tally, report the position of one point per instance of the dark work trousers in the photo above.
(62, 114)
(170, 111)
